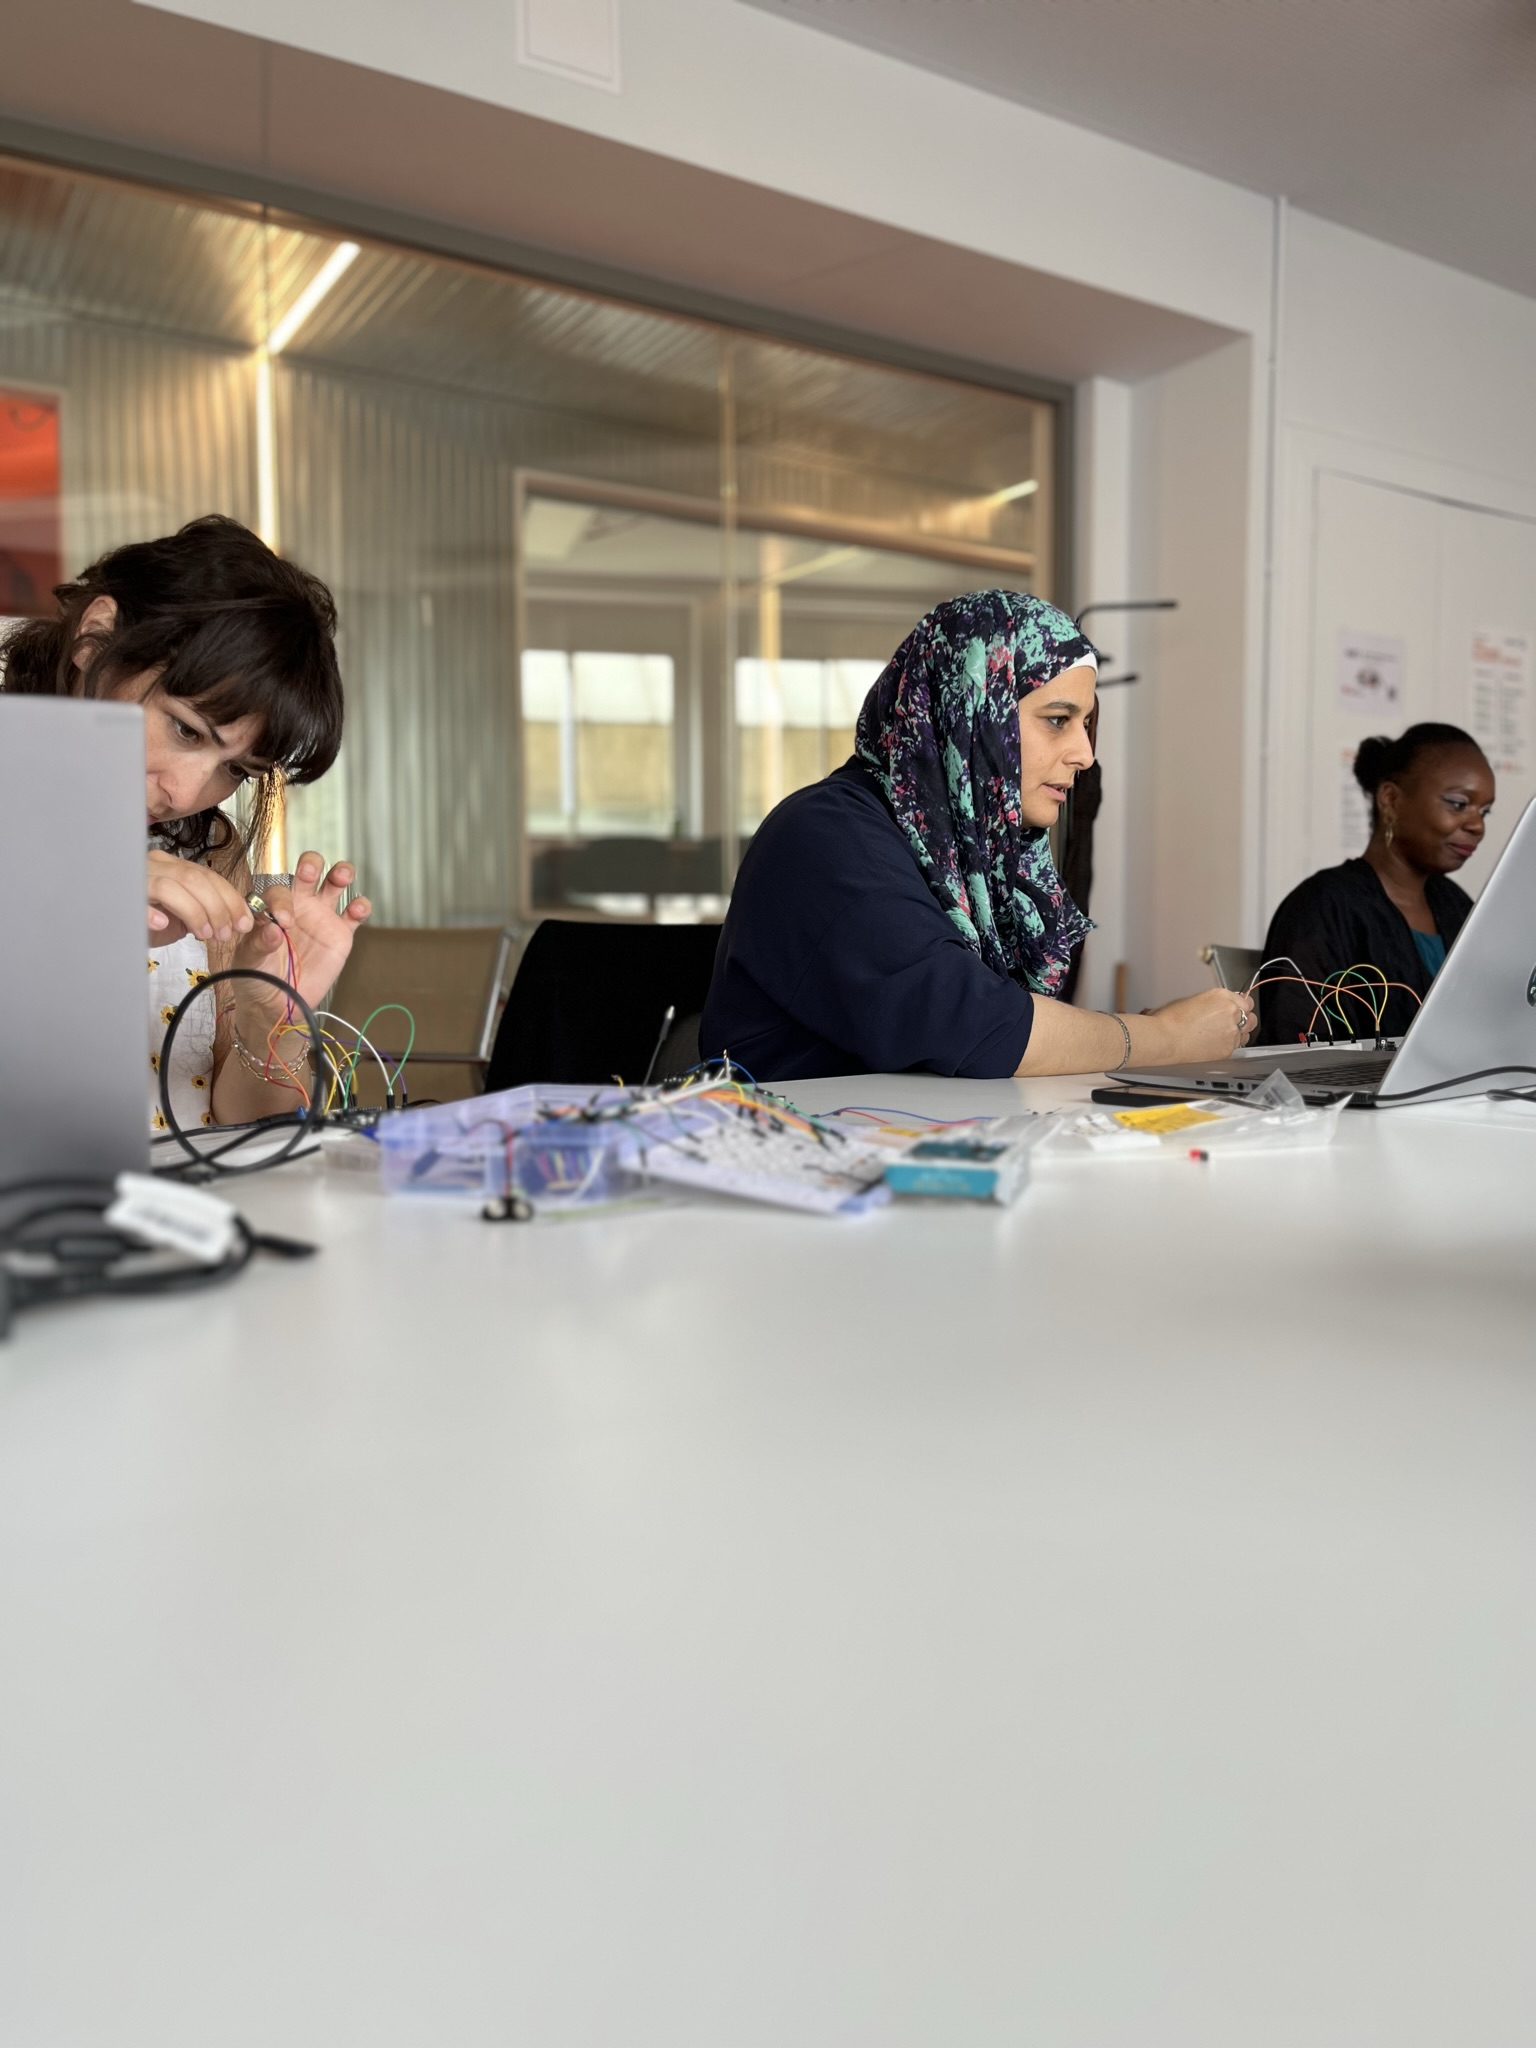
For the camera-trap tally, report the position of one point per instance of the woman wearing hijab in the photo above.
(1391, 914)
(905, 912)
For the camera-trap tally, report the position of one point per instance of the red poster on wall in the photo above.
(31, 552)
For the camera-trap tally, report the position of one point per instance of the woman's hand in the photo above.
(1209, 1026)
(187, 897)
(321, 940)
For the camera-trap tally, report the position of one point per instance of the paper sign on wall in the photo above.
(1354, 808)
(1501, 694)
(1370, 673)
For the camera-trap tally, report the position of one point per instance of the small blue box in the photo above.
(986, 1161)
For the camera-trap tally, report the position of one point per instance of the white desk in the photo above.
(1103, 1624)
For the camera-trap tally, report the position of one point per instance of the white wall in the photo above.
(741, 92)
(1102, 542)
(1189, 720)
(1396, 372)
(1393, 350)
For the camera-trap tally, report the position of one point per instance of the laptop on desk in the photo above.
(1476, 1031)
(74, 1016)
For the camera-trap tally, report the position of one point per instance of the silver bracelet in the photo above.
(1125, 1032)
(253, 1062)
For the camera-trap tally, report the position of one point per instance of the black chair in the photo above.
(589, 1000)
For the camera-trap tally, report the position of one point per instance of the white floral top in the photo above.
(172, 971)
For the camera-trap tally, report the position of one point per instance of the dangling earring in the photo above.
(1387, 837)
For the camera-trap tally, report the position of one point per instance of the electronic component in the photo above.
(987, 1161)
(558, 1148)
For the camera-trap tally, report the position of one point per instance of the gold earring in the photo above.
(1391, 828)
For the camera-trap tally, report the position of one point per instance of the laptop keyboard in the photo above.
(1345, 1073)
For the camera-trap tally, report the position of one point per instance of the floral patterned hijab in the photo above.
(940, 730)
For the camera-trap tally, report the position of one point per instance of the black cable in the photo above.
(306, 1125)
(91, 1262)
(1455, 1081)
(243, 1134)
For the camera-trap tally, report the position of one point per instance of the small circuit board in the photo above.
(987, 1161)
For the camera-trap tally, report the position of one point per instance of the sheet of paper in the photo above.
(1501, 697)
(1369, 674)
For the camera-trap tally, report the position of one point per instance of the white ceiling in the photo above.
(1411, 120)
(187, 92)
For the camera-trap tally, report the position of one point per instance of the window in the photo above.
(597, 743)
(794, 723)
(610, 581)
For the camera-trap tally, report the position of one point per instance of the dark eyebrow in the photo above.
(1063, 704)
(193, 717)
(253, 768)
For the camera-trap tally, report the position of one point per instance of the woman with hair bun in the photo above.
(1395, 908)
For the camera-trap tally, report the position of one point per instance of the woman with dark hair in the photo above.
(1394, 911)
(906, 912)
(231, 651)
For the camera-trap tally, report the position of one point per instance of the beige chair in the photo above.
(1233, 966)
(452, 981)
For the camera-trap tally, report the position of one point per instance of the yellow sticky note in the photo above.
(1177, 1116)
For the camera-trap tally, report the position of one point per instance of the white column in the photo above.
(1102, 548)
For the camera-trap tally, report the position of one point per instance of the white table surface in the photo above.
(1105, 1623)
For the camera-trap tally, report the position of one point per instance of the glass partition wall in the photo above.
(611, 581)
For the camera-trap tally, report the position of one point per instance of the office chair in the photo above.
(1233, 966)
(450, 980)
(589, 1001)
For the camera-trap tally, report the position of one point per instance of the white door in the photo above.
(1487, 644)
(1414, 591)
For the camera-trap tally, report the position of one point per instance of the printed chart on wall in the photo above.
(1369, 675)
(1501, 697)
(30, 551)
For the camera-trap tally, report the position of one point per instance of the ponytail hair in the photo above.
(214, 617)
(1379, 760)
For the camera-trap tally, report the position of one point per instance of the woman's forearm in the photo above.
(1063, 1040)
(1209, 1026)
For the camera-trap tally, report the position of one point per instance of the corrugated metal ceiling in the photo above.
(97, 250)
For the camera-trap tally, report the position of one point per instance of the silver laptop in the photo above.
(74, 1025)
(1476, 1031)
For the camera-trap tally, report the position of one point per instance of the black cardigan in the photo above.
(836, 957)
(1341, 916)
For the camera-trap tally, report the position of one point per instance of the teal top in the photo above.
(1431, 951)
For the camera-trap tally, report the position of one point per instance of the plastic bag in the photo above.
(1274, 1118)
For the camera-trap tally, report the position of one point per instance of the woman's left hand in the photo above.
(307, 914)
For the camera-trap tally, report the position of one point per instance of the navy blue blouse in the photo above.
(837, 959)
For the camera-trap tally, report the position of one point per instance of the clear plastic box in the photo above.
(506, 1144)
